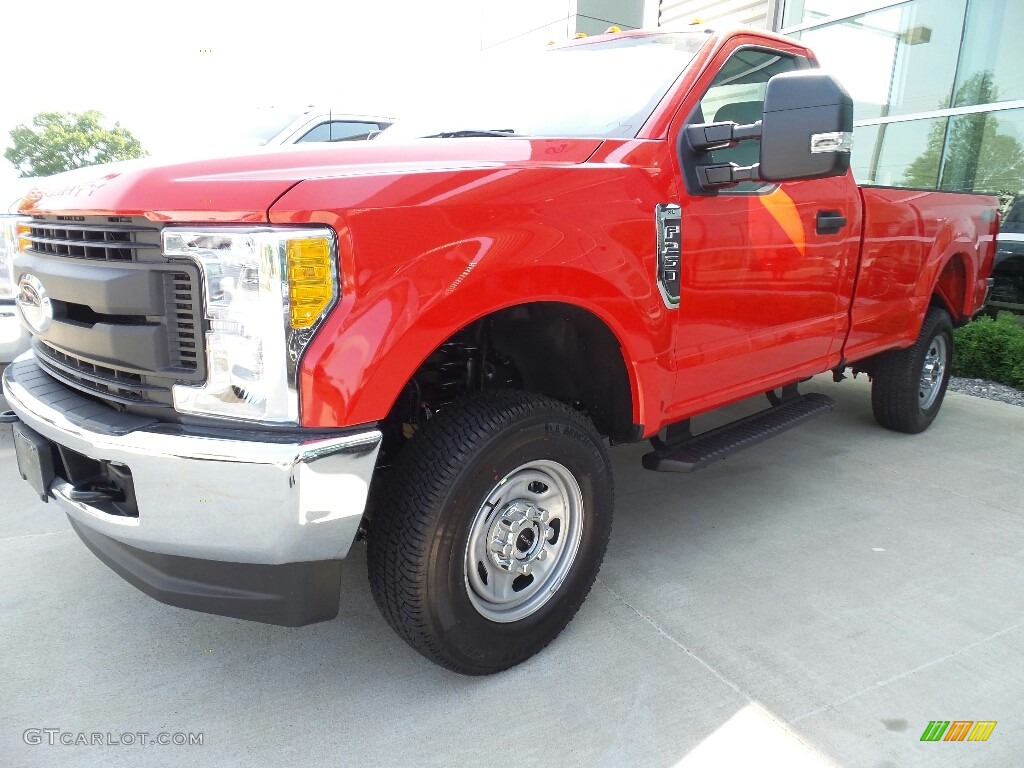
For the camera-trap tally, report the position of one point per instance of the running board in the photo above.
(697, 452)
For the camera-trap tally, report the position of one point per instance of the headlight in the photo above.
(12, 230)
(265, 292)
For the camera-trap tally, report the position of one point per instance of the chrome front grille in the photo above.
(108, 238)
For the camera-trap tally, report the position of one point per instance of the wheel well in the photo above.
(951, 288)
(949, 294)
(553, 349)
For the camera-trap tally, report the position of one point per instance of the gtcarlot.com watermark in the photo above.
(59, 737)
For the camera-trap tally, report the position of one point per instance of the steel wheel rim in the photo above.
(932, 372)
(531, 520)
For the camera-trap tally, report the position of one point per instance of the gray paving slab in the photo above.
(813, 601)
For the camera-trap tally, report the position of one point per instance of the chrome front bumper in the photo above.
(234, 500)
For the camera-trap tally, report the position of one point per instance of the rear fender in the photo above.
(950, 268)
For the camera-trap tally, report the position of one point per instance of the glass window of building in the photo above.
(806, 11)
(914, 68)
(896, 60)
(903, 154)
(992, 57)
(984, 152)
(938, 88)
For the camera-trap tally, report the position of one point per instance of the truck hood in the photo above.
(241, 188)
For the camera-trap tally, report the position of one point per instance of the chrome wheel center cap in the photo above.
(518, 537)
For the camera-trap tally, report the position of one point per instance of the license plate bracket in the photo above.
(35, 459)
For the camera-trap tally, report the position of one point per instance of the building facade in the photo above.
(534, 23)
(938, 85)
(754, 13)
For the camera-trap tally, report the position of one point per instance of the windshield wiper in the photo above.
(471, 133)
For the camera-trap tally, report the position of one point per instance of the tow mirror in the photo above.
(807, 127)
(806, 132)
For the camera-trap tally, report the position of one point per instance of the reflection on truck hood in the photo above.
(241, 188)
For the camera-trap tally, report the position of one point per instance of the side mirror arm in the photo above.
(724, 174)
(707, 137)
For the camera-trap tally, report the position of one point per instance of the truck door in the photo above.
(762, 266)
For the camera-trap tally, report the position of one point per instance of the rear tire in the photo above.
(908, 385)
(491, 530)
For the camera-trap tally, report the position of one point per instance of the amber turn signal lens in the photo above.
(310, 288)
(23, 241)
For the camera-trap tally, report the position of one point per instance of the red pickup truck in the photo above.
(240, 366)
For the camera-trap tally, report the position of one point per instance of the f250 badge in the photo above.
(669, 238)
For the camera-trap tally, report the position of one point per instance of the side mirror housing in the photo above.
(807, 127)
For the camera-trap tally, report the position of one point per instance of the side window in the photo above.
(340, 130)
(737, 94)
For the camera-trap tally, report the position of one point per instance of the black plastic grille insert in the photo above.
(113, 238)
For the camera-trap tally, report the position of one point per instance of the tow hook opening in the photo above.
(95, 493)
(106, 485)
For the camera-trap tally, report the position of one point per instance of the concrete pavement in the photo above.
(813, 601)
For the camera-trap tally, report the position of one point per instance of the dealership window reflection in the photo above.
(894, 61)
(984, 152)
(992, 45)
(890, 154)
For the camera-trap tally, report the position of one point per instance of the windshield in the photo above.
(605, 89)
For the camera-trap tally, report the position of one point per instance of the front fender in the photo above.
(415, 274)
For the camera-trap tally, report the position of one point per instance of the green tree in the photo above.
(59, 142)
(978, 157)
(923, 172)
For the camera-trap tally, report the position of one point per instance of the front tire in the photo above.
(908, 385)
(491, 530)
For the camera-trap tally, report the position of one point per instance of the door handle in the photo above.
(830, 222)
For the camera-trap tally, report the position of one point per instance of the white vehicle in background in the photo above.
(315, 125)
(14, 337)
(227, 128)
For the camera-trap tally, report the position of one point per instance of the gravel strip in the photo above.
(990, 390)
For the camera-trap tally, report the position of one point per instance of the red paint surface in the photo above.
(436, 234)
